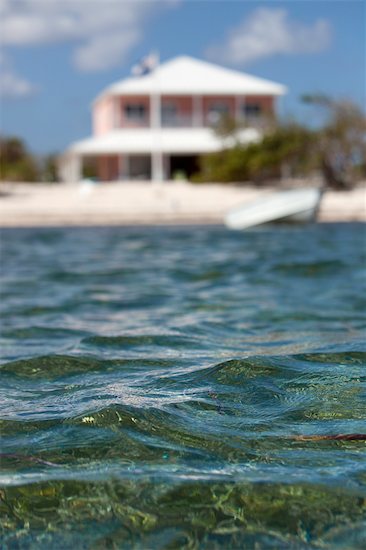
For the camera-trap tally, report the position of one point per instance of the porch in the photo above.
(129, 167)
(152, 154)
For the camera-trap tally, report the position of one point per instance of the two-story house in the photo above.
(156, 125)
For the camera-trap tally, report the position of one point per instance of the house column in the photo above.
(70, 167)
(157, 166)
(197, 111)
(155, 124)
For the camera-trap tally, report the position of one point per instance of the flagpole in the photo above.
(155, 102)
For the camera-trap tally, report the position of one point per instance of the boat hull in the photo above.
(297, 205)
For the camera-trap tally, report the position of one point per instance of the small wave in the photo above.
(310, 268)
(133, 341)
(58, 366)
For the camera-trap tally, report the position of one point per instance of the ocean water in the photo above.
(183, 388)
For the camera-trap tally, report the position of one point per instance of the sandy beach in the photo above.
(27, 205)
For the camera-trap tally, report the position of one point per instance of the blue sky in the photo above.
(57, 55)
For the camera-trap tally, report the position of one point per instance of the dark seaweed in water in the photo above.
(184, 388)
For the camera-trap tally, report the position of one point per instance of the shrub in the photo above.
(16, 163)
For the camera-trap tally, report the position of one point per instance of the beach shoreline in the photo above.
(146, 203)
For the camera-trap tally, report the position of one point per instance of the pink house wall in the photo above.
(184, 104)
(108, 112)
(266, 102)
(103, 113)
(108, 167)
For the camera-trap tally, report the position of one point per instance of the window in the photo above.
(252, 110)
(168, 113)
(217, 111)
(135, 112)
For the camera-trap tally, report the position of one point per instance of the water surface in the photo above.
(167, 388)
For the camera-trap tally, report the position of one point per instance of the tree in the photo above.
(341, 142)
(16, 163)
(49, 168)
(337, 149)
(288, 145)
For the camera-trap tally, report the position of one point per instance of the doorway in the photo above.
(183, 166)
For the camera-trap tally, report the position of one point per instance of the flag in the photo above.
(145, 65)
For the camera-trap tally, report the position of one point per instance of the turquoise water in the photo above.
(167, 388)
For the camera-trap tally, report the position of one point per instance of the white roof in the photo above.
(187, 76)
(148, 140)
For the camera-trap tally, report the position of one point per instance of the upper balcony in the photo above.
(181, 112)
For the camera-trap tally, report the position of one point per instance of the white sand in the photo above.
(145, 203)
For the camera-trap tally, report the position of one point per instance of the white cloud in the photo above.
(11, 84)
(102, 31)
(104, 52)
(268, 32)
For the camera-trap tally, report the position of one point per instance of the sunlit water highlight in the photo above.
(162, 387)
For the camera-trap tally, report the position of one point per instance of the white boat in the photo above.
(294, 205)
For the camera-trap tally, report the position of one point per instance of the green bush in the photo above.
(16, 163)
(287, 145)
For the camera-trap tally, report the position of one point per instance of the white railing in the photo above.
(188, 121)
(177, 121)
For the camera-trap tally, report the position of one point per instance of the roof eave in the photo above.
(278, 92)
